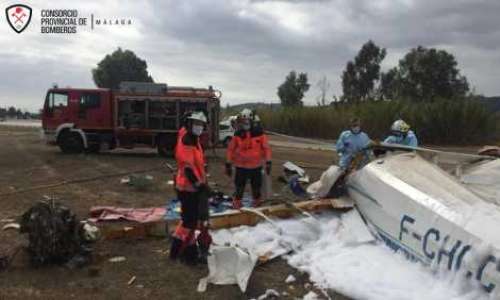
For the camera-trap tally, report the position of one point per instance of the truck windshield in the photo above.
(56, 100)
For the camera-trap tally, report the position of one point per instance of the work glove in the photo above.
(229, 169)
(373, 143)
(268, 167)
(202, 188)
(198, 186)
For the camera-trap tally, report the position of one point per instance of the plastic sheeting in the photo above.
(484, 179)
(228, 265)
(294, 168)
(234, 263)
(320, 188)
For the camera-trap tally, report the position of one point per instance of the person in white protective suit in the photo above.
(351, 142)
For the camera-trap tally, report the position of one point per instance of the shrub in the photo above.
(461, 121)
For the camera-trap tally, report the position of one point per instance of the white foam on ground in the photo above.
(310, 296)
(327, 253)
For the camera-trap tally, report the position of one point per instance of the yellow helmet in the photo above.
(400, 126)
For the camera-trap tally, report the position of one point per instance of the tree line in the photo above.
(16, 113)
(422, 75)
(426, 88)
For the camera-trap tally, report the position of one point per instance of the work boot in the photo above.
(175, 248)
(203, 254)
(237, 203)
(256, 202)
(190, 255)
(204, 242)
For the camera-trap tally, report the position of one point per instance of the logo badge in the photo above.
(18, 16)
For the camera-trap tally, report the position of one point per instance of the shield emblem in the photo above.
(18, 16)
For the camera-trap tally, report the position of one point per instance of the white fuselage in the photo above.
(419, 209)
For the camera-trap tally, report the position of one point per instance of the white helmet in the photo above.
(246, 114)
(400, 126)
(199, 116)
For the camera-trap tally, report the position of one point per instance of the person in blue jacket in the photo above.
(402, 135)
(351, 142)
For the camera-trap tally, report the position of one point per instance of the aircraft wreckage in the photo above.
(439, 208)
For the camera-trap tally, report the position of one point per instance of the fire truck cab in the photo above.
(138, 114)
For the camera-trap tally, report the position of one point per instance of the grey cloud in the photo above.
(247, 47)
(290, 1)
(27, 90)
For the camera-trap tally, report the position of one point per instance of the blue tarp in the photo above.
(216, 206)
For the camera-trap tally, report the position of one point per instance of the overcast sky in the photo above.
(246, 48)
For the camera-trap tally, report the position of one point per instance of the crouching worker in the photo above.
(248, 152)
(402, 135)
(192, 191)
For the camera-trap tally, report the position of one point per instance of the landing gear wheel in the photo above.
(71, 142)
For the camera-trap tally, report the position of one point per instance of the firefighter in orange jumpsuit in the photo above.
(191, 187)
(248, 152)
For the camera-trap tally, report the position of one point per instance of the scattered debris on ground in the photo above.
(311, 296)
(290, 279)
(83, 181)
(291, 169)
(336, 260)
(270, 294)
(139, 181)
(56, 236)
(132, 280)
(117, 259)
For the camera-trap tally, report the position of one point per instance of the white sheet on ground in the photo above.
(320, 188)
(371, 271)
(228, 265)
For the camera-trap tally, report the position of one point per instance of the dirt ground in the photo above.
(25, 161)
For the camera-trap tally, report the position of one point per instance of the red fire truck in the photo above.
(137, 114)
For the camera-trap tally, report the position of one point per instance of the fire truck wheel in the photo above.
(71, 142)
